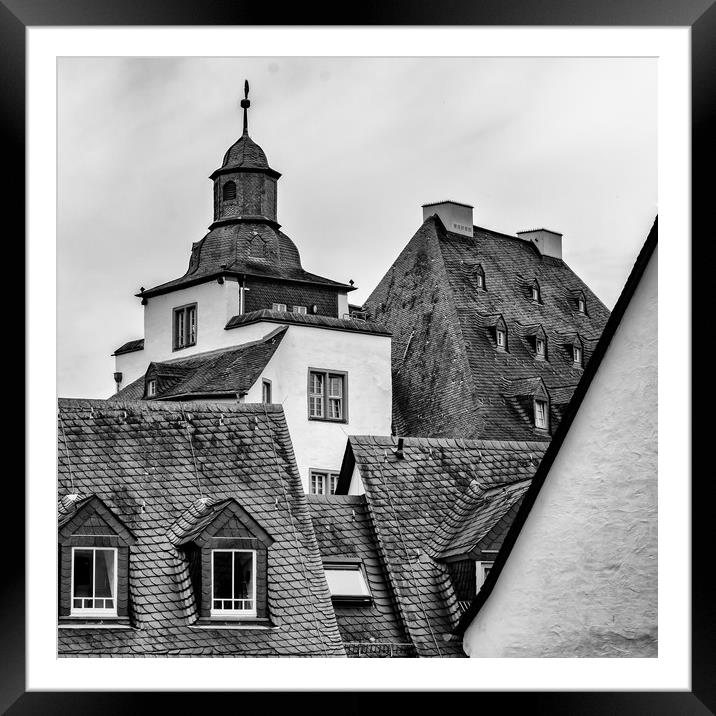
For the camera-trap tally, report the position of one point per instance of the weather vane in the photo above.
(245, 104)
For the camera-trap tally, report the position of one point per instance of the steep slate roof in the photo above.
(230, 371)
(343, 529)
(562, 431)
(447, 371)
(408, 500)
(307, 319)
(150, 463)
(130, 347)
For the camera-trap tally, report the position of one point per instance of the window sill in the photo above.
(236, 623)
(87, 622)
(340, 421)
(175, 349)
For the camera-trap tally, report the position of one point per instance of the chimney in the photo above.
(548, 243)
(457, 217)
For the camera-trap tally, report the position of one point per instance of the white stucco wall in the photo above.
(319, 444)
(582, 577)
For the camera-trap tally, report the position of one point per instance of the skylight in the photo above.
(347, 583)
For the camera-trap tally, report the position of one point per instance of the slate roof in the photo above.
(308, 319)
(521, 514)
(447, 370)
(224, 251)
(130, 347)
(409, 498)
(245, 153)
(230, 371)
(343, 528)
(150, 462)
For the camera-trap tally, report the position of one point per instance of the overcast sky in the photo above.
(566, 144)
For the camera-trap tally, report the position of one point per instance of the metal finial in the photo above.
(245, 104)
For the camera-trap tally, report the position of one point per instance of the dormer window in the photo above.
(226, 554)
(581, 305)
(229, 191)
(347, 583)
(535, 293)
(300, 309)
(577, 354)
(541, 414)
(151, 388)
(233, 583)
(278, 307)
(480, 278)
(540, 347)
(94, 582)
(501, 338)
(94, 559)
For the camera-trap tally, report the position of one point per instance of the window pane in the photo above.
(192, 325)
(317, 383)
(83, 573)
(335, 408)
(222, 574)
(335, 387)
(104, 573)
(333, 481)
(243, 577)
(347, 582)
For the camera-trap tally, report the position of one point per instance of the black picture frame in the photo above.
(699, 15)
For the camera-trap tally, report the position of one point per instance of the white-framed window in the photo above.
(480, 279)
(184, 332)
(300, 309)
(501, 338)
(535, 293)
(94, 581)
(265, 390)
(540, 347)
(540, 413)
(151, 388)
(327, 395)
(233, 582)
(482, 569)
(581, 305)
(577, 354)
(278, 307)
(323, 482)
(347, 583)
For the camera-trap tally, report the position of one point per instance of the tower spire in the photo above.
(245, 104)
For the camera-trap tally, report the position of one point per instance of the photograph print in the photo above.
(357, 357)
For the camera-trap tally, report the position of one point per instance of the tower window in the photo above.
(541, 414)
(184, 326)
(229, 191)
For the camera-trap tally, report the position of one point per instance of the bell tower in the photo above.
(245, 185)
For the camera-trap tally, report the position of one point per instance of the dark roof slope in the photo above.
(230, 371)
(570, 412)
(343, 529)
(150, 463)
(447, 370)
(130, 347)
(225, 251)
(408, 499)
(307, 319)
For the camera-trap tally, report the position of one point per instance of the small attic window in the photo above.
(151, 388)
(501, 338)
(347, 583)
(577, 355)
(480, 278)
(229, 191)
(535, 293)
(541, 414)
(581, 305)
(540, 347)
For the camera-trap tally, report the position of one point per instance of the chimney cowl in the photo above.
(456, 216)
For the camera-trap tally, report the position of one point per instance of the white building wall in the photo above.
(581, 579)
(366, 359)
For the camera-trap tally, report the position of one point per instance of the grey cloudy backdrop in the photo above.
(568, 144)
